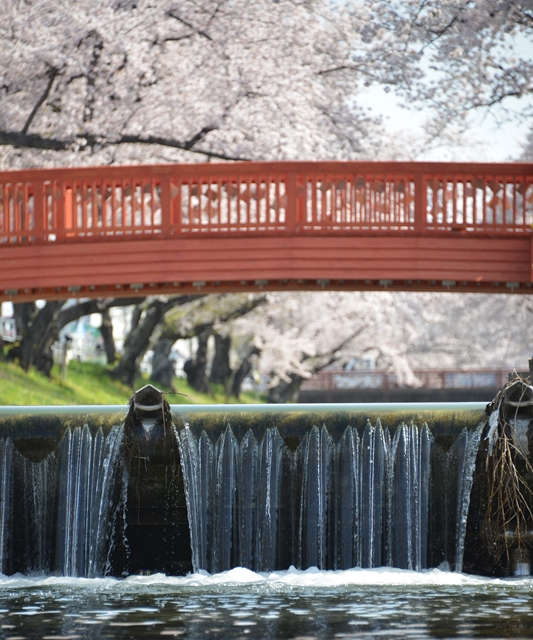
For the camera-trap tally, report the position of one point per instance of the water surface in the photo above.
(301, 605)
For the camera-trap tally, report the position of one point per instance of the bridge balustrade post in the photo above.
(292, 201)
(166, 212)
(38, 222)
(420, 202)
(531, 257)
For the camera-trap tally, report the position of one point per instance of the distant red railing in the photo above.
(425, 379)
(279, 198)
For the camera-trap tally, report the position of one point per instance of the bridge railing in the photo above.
(276, 198)
(424, 379)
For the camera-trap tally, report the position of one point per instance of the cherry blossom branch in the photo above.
(84, 141)
(52, 74)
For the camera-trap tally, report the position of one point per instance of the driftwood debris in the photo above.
(508, 520)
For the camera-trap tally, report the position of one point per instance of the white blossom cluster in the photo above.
(119, 81)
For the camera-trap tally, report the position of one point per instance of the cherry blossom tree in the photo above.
(298, 334)
(39, 328)
(455, 57)
(115, 81)
(210, 317)
(85, 81)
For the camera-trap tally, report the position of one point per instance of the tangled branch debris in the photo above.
(508, 517)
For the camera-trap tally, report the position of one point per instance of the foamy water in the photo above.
(356, 603)
(310, 578)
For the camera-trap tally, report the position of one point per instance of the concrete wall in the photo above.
(398, 395)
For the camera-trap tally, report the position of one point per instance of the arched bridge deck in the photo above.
(117, 231)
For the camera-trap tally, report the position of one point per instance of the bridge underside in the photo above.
(125, 266)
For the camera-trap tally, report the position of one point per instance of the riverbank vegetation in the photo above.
(224, 345)
(90, 383)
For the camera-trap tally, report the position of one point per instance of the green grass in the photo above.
(88, 383)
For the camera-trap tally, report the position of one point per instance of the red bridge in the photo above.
(114, 231)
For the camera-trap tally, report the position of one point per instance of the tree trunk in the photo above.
(106, 329)
(43, 358)
(136, 343)
(163, 370)
(22, 313)
(138, 340)
(220, 369)
(136, 317)
(286, 391)
(195, 370)
(239, 376)
(33, 346)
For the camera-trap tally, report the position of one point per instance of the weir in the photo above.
(93, 491)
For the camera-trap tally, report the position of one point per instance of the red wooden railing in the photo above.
(425, 379)
(278, 198)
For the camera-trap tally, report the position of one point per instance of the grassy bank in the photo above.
(88, 383)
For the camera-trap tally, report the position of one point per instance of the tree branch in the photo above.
(199, 136)
(174, 38)
(331, 355)
(176, 332)
(166, 142)
(342, 67)
(34, 141)
(52, 74)
(170, 14)
(76, 311)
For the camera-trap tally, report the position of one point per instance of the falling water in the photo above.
(38, 484)
(409, 477)
(6, 457)
(362, 501)
(249, 463)
(369, 497)
(197, 465)
(87, 480)
(467, 443)
(375, 448)
(348, 500)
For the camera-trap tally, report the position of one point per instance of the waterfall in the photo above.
(225, 547)
(37, 482)
(409, 489)
(316, 477)
(372, 468)
(467, 444)
(197, 465)
(232, 492)
(87, 480)
(370, 496)
(364, 500)
(248, 481)
(348, 500)
(6, 458)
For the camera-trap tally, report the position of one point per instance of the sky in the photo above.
(488, 139)
(491, 137)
